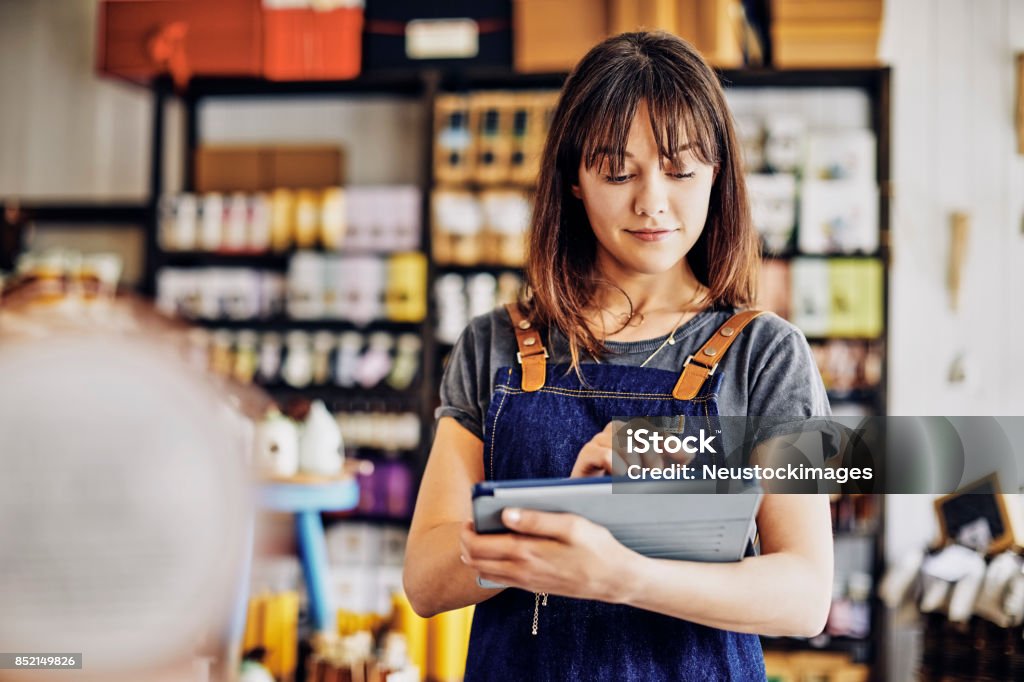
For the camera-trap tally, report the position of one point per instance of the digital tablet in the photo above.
(654, 518)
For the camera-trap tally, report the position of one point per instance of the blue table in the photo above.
(307, 500)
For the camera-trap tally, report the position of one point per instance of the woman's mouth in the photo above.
(651, 235)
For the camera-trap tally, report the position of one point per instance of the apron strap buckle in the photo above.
(713, 367)
(532, 354)
(519, 356)
(695, 373)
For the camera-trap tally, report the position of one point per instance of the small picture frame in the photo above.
(978, 505)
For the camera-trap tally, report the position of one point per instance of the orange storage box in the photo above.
(304, 43)
(140, 39)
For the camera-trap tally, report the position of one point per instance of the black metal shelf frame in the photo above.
(117, 213)
(286, 324)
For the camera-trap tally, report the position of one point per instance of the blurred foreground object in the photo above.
(124, 493)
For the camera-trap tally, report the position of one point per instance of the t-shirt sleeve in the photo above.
(787, 392)
(459, 385)
(788, 384)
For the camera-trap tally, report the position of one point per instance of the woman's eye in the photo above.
(617, 179)
(683, 176)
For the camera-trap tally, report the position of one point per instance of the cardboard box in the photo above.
(709, 25)
(264, 168)
(826, 10)
(714, 30)
(404, 34)
(140, 39)
(313, 166)
(815, 44)
(304, 43)
(552, 35)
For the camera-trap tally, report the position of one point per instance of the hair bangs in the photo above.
(603, 131)
(608, 114)
(679, 126)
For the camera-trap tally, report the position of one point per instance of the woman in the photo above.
(641, 253)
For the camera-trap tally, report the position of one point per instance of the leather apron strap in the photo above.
(704, 362)
(532, 354)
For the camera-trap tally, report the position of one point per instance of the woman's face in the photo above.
(648, 218)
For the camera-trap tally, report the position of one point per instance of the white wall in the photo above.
(954, 148)
(65, 132)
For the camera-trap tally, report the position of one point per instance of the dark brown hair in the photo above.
(591, 123)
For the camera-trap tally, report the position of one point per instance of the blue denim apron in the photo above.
(538, 435)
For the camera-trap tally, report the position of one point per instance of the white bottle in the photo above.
(321, 448)
(277, 446)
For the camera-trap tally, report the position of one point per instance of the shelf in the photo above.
(826, 256)
(263, 261)
(500, 79)
(405, 83)
(338, 394)
(287, 324)
(860, 650)
(840, 337)
(413, 82)
(865, 534)
(855, 396)
(869, 78)
(478, 269)
(122, 214)
(372, 519)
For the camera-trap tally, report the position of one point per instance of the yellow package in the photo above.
(406, 295)
(282, 219)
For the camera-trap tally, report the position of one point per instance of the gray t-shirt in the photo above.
(768, 371)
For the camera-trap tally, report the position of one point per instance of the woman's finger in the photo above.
(604, 437)
(592, 461)
(496, 546)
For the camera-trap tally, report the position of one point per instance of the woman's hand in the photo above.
(595, 458)
(599, 457)
(553, 553)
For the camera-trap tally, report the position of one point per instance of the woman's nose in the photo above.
(651, 198)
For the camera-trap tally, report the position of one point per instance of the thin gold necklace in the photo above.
(670, 340)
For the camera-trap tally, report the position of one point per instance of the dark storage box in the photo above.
(408, 34)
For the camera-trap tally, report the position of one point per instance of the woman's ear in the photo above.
(576, 191)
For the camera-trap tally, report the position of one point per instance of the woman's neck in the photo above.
(636, 306)
(639, 293)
